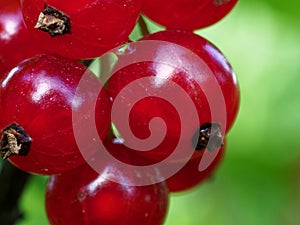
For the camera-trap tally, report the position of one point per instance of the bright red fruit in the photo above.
(80, 29)
(189, 15)
(37, 100)
(208, 81)
(190, 176)
(15, 41)
(84, 197)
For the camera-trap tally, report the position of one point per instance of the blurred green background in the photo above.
(258, 182)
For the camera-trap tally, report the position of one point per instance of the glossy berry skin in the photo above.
(15, 40)
(185, 15)
(189, 176)
(150, 107)
(39, 95)
(199, 168)
(95, 25)
(85, 197)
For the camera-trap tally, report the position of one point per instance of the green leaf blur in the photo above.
(258, 182)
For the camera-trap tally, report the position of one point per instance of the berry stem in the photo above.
(12, 182)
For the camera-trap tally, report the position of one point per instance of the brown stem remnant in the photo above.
(14, 141)
(209, 137)
(53, 21)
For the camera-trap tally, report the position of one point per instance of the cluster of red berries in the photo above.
(42, 46)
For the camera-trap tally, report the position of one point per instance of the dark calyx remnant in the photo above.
(14, 141)
(208, 137)
(221, 2)
(53, 21)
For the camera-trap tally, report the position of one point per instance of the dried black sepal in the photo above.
(14, 141)
(53, 21)
(208, 137)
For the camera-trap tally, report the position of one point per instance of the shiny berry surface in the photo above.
(15, 40)
(80, 29)
(162, 75)
(217, 63)
(185, 15)
(84, 197)
(190, 175)
(39, 95)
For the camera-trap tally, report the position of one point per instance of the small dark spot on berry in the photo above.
(221, 2)
(208, 137)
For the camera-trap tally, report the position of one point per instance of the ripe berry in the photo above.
(189, 15)
(37, 98)
(80, 29)
(215, 60)
(191, 173)
(91, 198)
(15, 40)
(190, 176)
(208, 81)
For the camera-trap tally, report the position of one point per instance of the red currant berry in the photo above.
(216, 62)
(91, 198)
(208, 81)
(190, 176)
(15, 40)
(189, 15)
(37, 99)
(80, 29)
